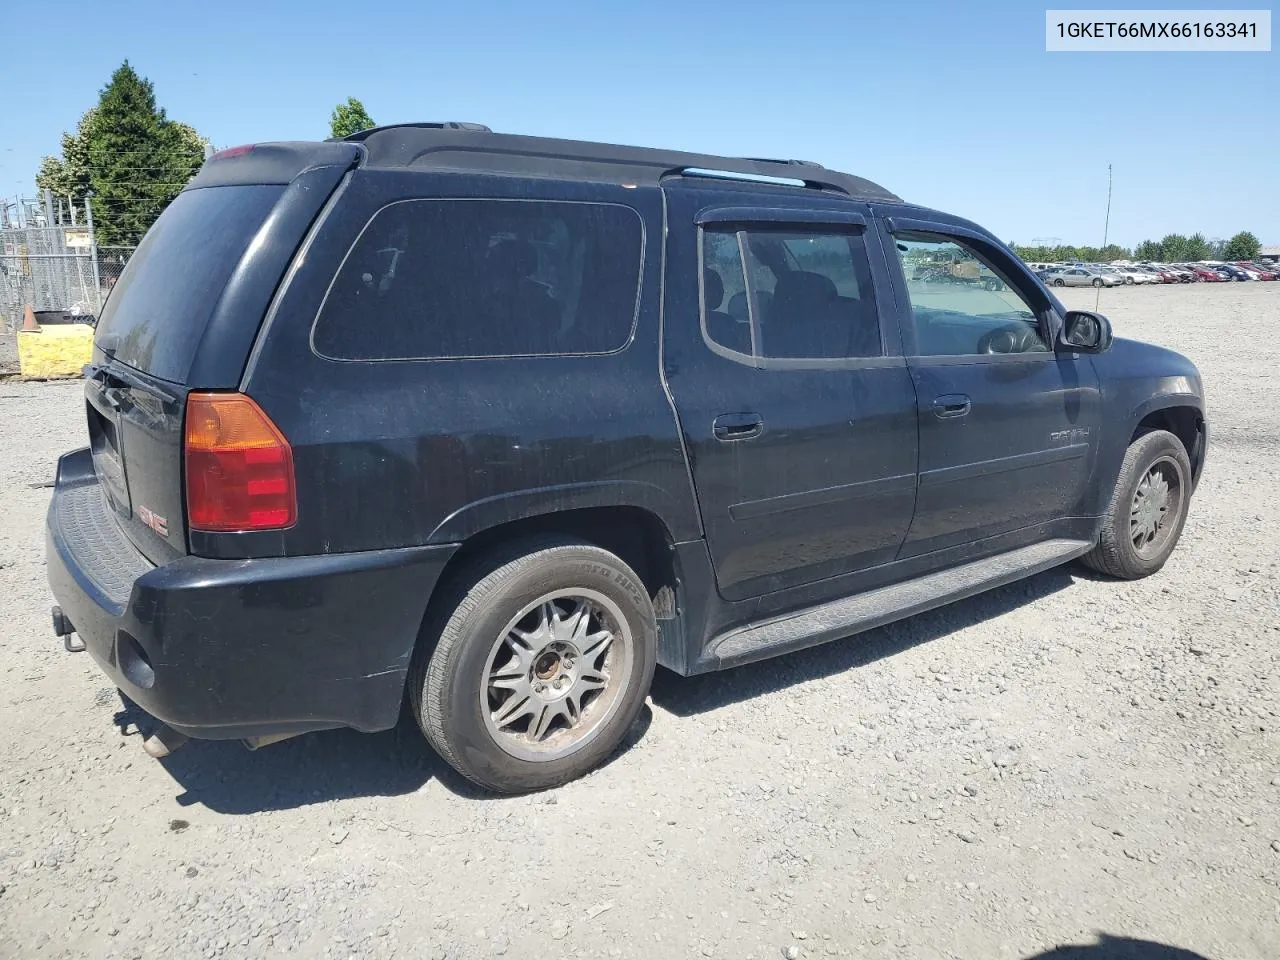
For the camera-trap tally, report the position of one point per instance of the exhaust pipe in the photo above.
(256, 743)
(164, 741)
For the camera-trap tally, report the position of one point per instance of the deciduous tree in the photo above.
(348, 118)
(1243, 246)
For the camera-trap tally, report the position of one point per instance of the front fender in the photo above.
(1137, 380)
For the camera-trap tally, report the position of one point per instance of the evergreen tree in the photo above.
(139, 160)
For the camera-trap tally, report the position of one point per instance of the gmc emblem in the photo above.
(153, 520)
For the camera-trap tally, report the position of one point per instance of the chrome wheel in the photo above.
(1155, 507)
(556, 674)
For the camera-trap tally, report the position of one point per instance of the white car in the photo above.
(1133, 275)
(1082, 277)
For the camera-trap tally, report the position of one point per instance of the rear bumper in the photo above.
(224, 649)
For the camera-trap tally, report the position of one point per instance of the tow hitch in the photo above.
(65, 629)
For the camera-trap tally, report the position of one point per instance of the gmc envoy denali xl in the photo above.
(490, 425)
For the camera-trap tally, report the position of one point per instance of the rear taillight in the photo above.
(239, 466)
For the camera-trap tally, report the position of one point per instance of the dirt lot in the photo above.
(1038, 766)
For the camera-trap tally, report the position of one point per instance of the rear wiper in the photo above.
(111, 374)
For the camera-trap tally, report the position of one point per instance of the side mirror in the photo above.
(1085, 332)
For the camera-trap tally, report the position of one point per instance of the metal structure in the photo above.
(50, 261)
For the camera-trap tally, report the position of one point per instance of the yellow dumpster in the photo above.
(55, 350)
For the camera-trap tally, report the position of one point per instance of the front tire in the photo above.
(1147, 511)
(1097, 281)
(1059, 282)
(542, 665)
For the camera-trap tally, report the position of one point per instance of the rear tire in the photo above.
(1147, 511)
(1059, 282)
(523, 690)
(1097, 281)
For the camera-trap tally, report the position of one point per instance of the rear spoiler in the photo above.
(278, 163)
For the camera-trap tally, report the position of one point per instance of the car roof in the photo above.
(474, 147)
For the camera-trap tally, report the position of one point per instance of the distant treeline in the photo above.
(1175, 248)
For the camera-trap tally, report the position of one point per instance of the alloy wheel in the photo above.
(556, 674)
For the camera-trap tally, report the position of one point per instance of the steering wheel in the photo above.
(1011, 339)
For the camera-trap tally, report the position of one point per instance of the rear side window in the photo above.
(156, 314)
(789, 294)
(453, 279)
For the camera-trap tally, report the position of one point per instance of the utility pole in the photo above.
(93, 253)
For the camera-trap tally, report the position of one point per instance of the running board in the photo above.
(865, 611)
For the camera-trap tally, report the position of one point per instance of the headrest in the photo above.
(805, 287)
(513, 257)
(712, 288)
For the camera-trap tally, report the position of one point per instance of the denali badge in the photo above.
(153, 520)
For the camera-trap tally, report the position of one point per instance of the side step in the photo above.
(864, 611)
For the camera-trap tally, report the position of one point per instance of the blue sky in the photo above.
(949, 104)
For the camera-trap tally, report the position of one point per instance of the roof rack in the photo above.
(464, 147)
(361, 135)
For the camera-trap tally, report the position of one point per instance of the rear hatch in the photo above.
(184, 316)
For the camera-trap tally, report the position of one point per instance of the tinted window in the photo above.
(157, 313)
(484, 278)
(789, 294)
(960, 305)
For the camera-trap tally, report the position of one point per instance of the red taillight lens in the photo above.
(239, 466)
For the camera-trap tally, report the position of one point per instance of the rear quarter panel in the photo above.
(401, 453)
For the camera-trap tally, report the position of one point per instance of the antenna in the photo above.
(1106, 225)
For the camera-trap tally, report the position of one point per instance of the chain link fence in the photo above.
(50, 263)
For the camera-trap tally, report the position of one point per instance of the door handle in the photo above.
(737, 426)
(951, 405)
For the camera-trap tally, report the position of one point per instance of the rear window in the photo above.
(453, 279)
(157, 313)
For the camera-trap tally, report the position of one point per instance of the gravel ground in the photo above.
(1055, 761)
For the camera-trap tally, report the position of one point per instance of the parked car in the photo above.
(1084, 277)
(1232, 272)
(1181, 274)
(1203, 273)
(1265, 271)
(1133, 275)
(1164, 273)
(1255, 272)
(478, 424)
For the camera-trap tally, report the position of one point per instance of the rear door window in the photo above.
(789, 294)
(156, 315)
(456, 279)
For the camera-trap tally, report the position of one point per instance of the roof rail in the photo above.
(472, 147)
(716, 174)
(791, 163)
(800, 175)
(424, 125)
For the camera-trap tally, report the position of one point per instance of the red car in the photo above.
(1267, 273)
(1204, 273)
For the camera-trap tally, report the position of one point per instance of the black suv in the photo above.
(500, 422)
